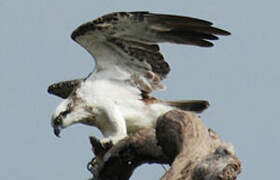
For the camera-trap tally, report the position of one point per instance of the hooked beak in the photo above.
(56, 131)
(57, 126)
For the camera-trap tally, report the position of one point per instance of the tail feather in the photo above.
(190, 105)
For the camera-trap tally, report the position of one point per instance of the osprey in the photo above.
(116, 96)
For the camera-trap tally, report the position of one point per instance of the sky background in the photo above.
(239, 76)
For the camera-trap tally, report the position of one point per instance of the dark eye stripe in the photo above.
(64, 113)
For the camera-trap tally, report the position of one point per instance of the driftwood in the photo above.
(180, 140)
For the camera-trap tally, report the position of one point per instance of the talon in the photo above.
(107, 145)
(100, 147)
(91, 164)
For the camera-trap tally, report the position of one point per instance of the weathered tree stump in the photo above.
(181, 140)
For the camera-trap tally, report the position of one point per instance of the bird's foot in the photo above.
(106, 143)
(111, 140)
(99, 145)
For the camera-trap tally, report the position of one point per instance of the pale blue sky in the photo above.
(240, 76)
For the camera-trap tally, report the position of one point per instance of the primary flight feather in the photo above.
(116, 97)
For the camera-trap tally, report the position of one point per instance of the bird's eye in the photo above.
(64, 113)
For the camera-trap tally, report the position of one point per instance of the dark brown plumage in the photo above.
(190, 105)
(64, 88)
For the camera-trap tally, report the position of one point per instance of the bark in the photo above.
(181, 140)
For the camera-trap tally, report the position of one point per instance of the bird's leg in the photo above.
(116, 129)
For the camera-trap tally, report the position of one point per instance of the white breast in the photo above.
(140, 115)
(104, 94)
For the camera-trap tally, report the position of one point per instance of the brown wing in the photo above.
(129, 40)
(65, 88)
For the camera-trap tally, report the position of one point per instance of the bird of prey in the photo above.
(116, 97)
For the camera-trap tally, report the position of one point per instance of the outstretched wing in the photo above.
(124, 44)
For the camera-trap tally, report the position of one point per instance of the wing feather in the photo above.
(64, 88)
(124, 44)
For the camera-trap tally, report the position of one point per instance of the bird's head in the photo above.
(68, 113)
(61, 118)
